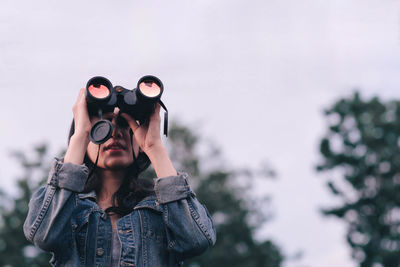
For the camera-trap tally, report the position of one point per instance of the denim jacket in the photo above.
(162, 230)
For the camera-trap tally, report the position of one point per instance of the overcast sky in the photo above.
(254, 76)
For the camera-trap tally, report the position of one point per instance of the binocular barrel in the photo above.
(150, 87)
(98, 89)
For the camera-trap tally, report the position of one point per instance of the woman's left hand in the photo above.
(149, 139)
(147, 136)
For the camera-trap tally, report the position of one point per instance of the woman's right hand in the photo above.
(81, 115)
(80, 139)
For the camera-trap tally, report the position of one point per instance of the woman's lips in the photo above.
(115, 146)
(114, 149)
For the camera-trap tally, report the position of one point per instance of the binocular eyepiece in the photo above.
(140, 103)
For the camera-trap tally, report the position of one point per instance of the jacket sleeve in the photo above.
(48, 223)
(190, 230)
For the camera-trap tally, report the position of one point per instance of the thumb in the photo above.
(131, 121)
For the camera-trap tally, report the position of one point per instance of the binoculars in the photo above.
(140, 102)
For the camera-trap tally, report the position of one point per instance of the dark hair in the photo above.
(132, 189)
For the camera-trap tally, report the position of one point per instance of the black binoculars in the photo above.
(140, 102)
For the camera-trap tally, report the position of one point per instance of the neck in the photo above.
(110, 182)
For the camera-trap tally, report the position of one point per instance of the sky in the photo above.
(254, 76)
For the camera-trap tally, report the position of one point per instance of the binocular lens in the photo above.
(99, 90)
(149, 88)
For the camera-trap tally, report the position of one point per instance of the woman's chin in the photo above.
(117, 163)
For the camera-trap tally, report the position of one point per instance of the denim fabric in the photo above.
(162, 230)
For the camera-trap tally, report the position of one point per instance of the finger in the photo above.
(79, 101)
(82, 100)
(155, 122)
(81, 96)
(131, 121)
(155, 118)
(156, 111)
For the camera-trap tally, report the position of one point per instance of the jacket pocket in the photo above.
(151, 224)
(154, 241)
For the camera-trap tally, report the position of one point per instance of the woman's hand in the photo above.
(81, 115)
(149, 139)
(80, 139)
(147, 136)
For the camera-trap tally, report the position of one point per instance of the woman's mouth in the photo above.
(114, 146)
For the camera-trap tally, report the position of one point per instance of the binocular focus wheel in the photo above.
(101, 131)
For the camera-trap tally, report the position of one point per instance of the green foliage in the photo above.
(226, 193)
(362, 144)
(236, 212)
(15, 250)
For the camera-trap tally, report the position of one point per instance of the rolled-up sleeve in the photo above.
(48, 221)
(172, 188)
(68, 176)
(190, 229)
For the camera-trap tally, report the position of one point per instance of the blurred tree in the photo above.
(362, 146)
(15, 250)
(226, 193)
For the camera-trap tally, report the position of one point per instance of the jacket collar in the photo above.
(149, 202)
(91, 195)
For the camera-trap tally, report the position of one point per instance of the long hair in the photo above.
(132, 189)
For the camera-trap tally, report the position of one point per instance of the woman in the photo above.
(112, 218)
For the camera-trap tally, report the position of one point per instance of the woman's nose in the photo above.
(116, 129)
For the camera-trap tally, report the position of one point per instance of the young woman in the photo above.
(93, 211)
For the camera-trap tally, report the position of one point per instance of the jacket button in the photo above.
(100, 252)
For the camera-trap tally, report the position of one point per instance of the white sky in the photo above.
(252, 75)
